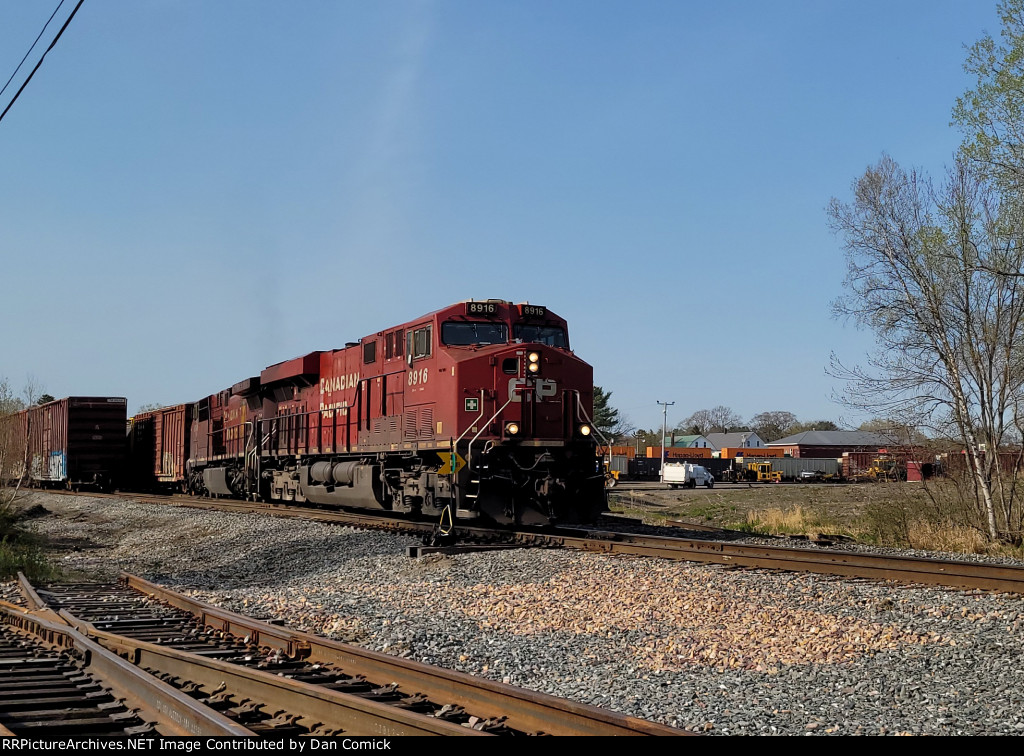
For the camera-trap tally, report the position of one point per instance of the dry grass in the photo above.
(946, 536)
(905, 515)
(794, 521)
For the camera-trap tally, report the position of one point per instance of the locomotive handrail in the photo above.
(469, 451)
(579, 403)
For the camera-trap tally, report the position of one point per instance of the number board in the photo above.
(481, 308)
(533, 311)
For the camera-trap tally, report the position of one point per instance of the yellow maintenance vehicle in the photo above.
(884, 467)
(762, 472)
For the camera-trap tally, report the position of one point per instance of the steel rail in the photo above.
(960, 574)
(847, 563)
(172, 712)
(315, 708)
(525, 710)
(31, 597)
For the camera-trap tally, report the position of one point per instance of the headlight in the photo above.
(512, 429)
(534, 357)
(533, 367)
(584, 430)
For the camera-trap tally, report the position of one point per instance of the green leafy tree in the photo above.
(991, 114)
(644, 438)
(606, 418)
(44, 398)
(811, 425)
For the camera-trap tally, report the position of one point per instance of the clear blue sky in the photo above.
(193, 190)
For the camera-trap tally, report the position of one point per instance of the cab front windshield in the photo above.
(540, 334)
(474, 334)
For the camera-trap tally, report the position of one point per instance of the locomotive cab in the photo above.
(525, 418)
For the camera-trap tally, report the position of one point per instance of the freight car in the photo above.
(158, 446)
(77, 442)
(477, 410)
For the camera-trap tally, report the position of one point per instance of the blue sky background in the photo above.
(193, 190)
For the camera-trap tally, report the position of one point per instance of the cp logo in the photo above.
(543, 387)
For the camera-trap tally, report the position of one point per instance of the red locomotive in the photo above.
(476, 410)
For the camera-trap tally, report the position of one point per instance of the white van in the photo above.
(687, 474)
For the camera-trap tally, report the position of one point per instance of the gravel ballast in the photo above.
(709, 649)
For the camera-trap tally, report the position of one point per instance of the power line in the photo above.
(41, 59)
(33, 47)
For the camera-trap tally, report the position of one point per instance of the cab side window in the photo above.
(418, 343)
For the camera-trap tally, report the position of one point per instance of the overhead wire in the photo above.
(33, 47)
(40, 62)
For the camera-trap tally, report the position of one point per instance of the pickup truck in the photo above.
(687, 474)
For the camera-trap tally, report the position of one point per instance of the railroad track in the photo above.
(276, 681)
(56, 682)
(848, 563)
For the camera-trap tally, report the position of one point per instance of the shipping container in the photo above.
(730, 452)
(77, 441)
(681, 452)
(617, 451)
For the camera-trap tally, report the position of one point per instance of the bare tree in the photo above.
(772, 425)
(720, 419)
(12, 443)
(949, 332)
(34, 389)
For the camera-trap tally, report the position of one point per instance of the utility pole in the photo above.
(664, 427)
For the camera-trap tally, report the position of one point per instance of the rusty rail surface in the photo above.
(224, 674)
(42, 692)
(994, 577)
(524, 710)
(849, 563)
(300, 677)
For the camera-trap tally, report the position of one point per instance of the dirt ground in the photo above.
(836, 507)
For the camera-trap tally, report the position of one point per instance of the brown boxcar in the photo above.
(77, 441)
(159, 446)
